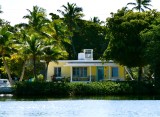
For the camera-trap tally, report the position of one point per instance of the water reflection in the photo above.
(7, 97)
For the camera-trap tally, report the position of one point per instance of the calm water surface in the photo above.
(79, 108)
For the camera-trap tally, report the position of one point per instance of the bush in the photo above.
(40, 77)
(55, 89)
(41, 89)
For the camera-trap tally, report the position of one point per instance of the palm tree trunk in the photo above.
(46, 70)
(23, 70)
(7, 70)
(73, 48)
(34, 67)
(131, 72)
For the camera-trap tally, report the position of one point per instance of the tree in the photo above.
(91, 35)
(54, 45)
(37, 18)
(51, 53)
(152, 39)
(140, 5)
(21, 56)
(71, 14)
(1, 10)
(33, 45)
(96, 20)
(6, 47)
(54, 16)
(126, 46)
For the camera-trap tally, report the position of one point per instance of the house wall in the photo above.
(107, 72)
(65, 70)
(121, 72)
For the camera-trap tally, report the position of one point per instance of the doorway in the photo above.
(100, 73)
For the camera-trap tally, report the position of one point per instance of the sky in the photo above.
(14, 10)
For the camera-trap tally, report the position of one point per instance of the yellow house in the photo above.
(85, 69)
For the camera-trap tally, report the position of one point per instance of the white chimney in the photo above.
(81, 56)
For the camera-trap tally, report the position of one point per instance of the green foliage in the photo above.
(90, 35)
(125, 44)
(55, 89)
(41, 89)
(152, 38)
(40, 77)
(37, 18)
(71, 13)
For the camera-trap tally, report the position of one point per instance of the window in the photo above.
(88, 53)
(79, 71)
(57, 71)
(114, 71)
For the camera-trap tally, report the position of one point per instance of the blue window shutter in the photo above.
(114, 71)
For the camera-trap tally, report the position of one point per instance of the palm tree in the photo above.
(140, 5)
(52, 53)
(96, 20)
(71, 14)
(6, 49)
(56, 36)
(54, 16)
(21, 35)
(1, 10)
(33, 45)
(1, 21)
(37, 18)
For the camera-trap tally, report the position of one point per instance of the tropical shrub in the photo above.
(59, 89)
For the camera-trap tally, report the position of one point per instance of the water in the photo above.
(79, 108)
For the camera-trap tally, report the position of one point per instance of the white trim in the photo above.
(109, 73)
(71, 74)
(90, 74)
(79, 61)
(91, 64)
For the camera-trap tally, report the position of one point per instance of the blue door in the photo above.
(100, 73)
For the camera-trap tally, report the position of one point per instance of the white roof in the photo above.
(87, 63)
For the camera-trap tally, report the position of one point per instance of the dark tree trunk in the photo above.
(139, 74)
(157, 76)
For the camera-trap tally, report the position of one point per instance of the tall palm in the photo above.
(1, 21)
(6, 44)
(1, 10)
(32, 47)
(71, 14)
(36, 17)
(96, 20)
(140, 5)
(56, 36)
(21, 35)
(52, 53)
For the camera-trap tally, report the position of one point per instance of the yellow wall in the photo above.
(121, 72)
(65, 70)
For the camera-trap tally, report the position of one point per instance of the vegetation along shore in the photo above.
(129, 37)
